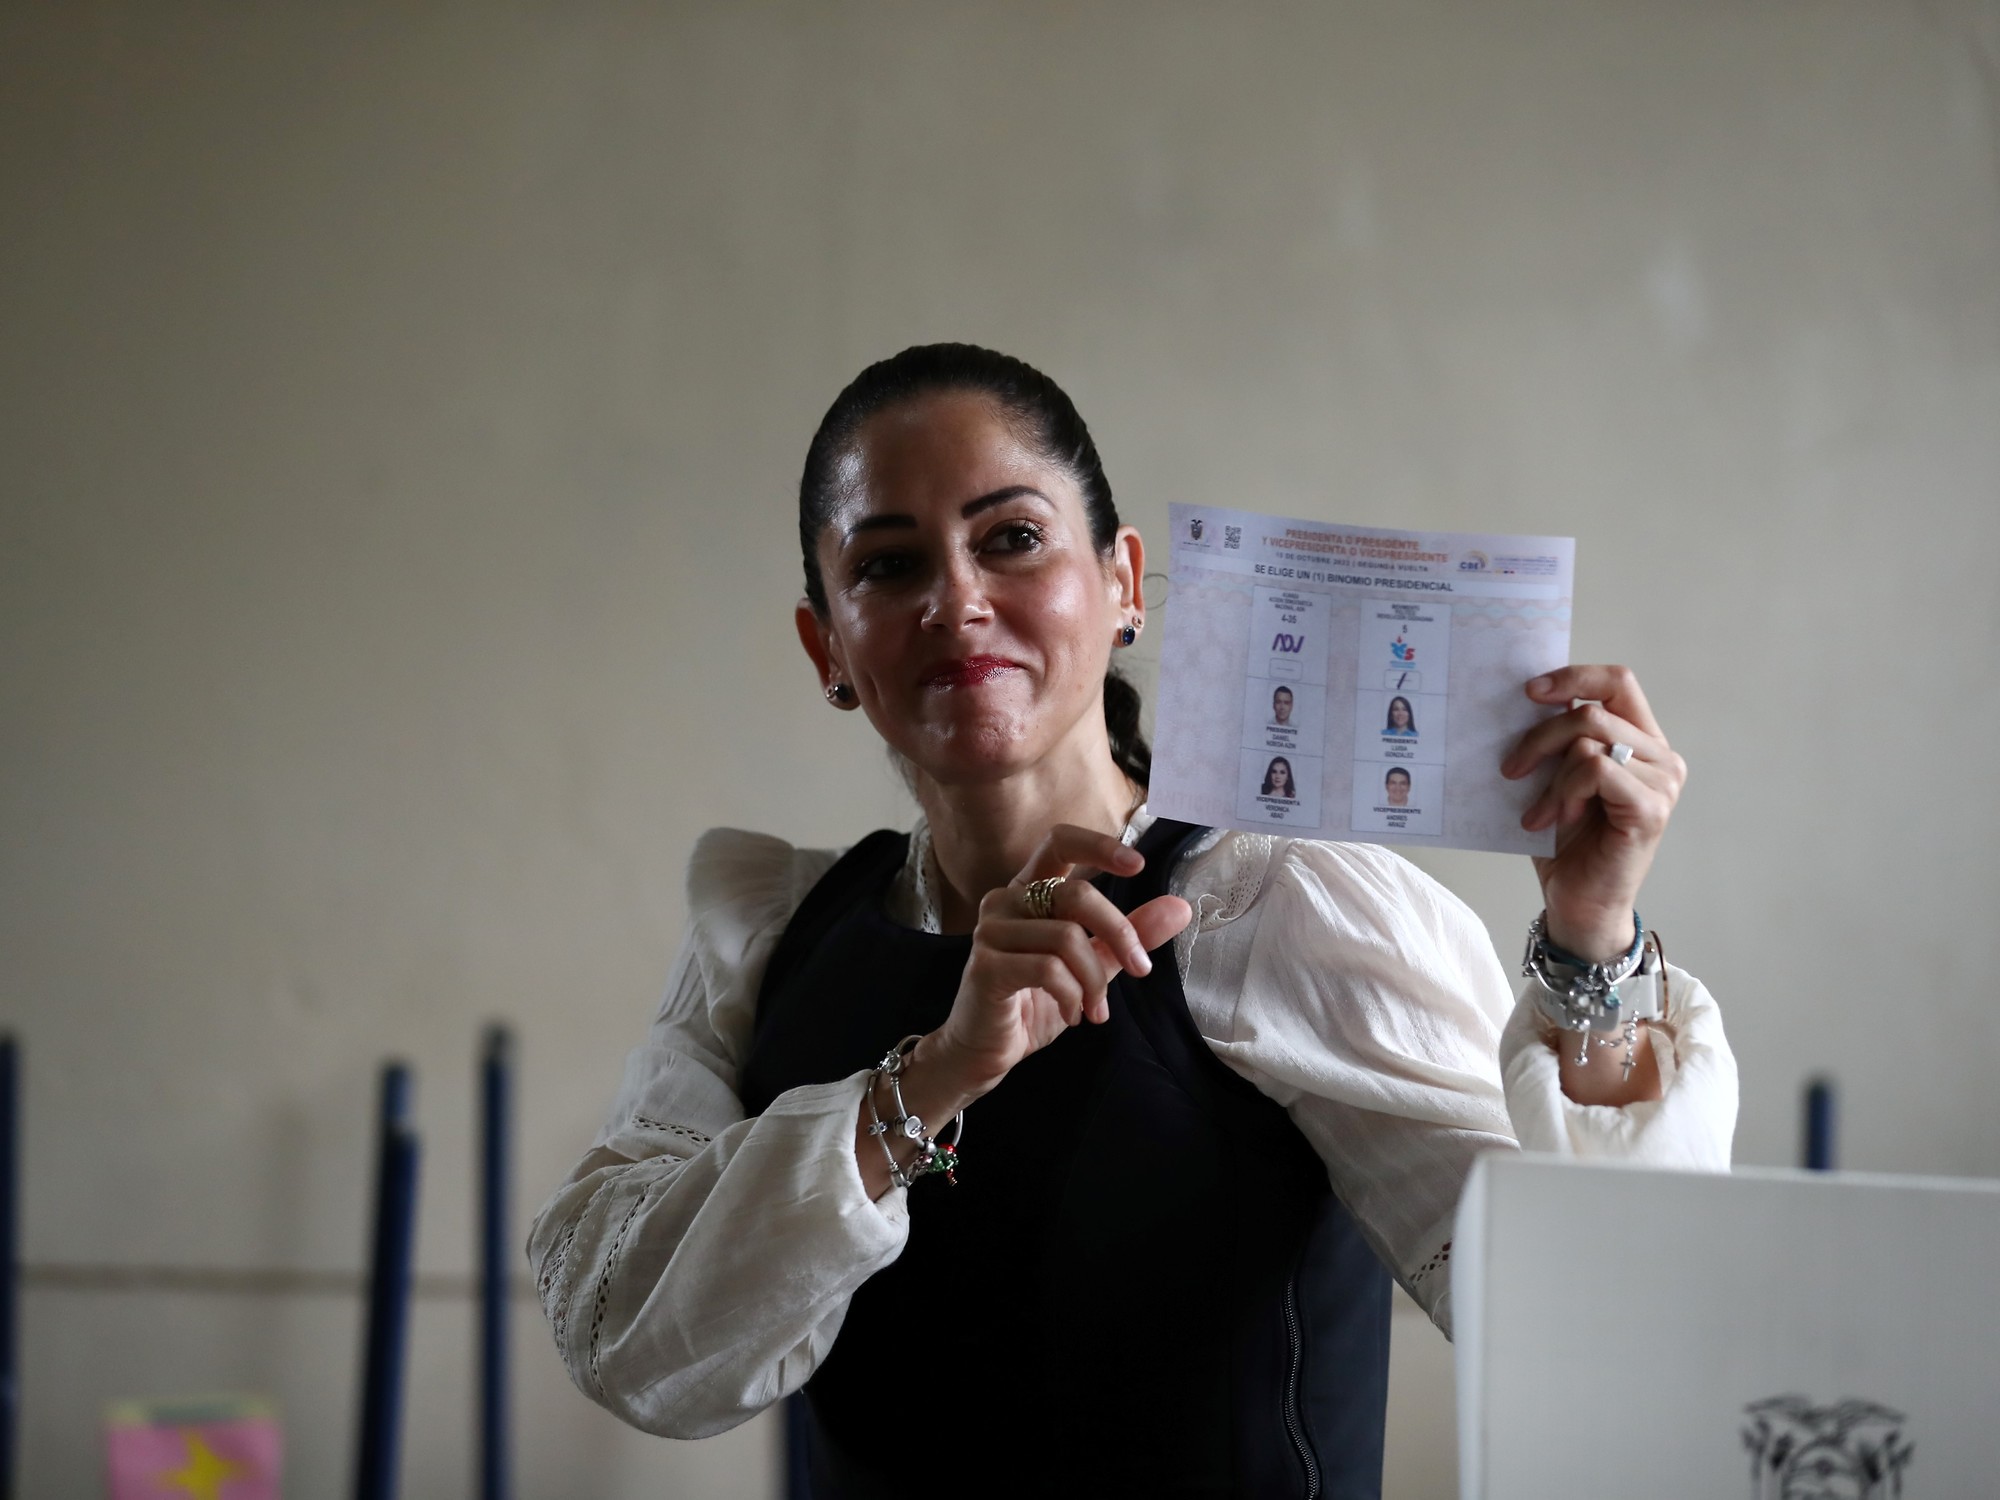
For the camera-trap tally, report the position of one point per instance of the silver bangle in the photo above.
(932, 1155)
(1579, 996)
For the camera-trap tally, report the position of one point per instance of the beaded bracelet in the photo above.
(932, 1155)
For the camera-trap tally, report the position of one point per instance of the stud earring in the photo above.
(1131, 632)
(840, 695)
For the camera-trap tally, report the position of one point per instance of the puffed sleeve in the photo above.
(695, 1267)
(1690, 1126)
(1370, 1005)
(1369, 1001)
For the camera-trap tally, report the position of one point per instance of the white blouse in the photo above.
(696, 1265)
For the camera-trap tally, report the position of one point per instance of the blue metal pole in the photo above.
(1819, 1125)
(495, 1108)
(798, 1448)
(389, 1274)
(10, 1259)
(392, 1107)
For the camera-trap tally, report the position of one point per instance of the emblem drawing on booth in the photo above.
(1851, 1450)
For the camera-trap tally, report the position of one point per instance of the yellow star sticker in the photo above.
(205, 1472)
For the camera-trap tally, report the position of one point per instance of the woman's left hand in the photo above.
(1609, 818)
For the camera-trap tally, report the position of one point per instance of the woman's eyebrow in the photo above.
(896, 520)
(972, 508)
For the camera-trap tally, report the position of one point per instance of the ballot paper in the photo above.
(1354, 684)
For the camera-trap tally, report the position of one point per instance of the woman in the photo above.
(1172, 1045)
(1278, 780)
(1402, 720)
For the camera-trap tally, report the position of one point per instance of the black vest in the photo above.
(1142, 1284)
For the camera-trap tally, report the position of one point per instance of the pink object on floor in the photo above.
(213, 1448)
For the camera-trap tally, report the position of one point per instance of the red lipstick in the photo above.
(969, 672)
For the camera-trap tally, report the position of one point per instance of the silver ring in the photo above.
(1621, 752)
(1041, 896)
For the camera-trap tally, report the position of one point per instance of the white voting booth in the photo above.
(1633, 1333)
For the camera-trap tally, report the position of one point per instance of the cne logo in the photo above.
(1401, 651)
(1287, 642)
(1474, 561)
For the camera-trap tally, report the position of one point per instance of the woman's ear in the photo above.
(1128, 569)
(819, 644)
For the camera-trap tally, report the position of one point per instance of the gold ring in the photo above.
(1041, 896)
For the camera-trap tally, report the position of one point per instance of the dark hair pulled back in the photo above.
(1040, 414)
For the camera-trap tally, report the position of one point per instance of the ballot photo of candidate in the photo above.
(1278, 780)
(1404, 728)
(1286, 716)
(1280, 790)
(1405, 798)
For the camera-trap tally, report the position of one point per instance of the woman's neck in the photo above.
(983, 833)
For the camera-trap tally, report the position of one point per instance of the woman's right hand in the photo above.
(1032, 978)
(1029, 980)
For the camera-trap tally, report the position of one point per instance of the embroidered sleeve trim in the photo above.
(647, 1122)
(1432, 1266)
(555, 1288)
(604, 1285)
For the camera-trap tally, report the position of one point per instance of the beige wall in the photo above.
(397, 416)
